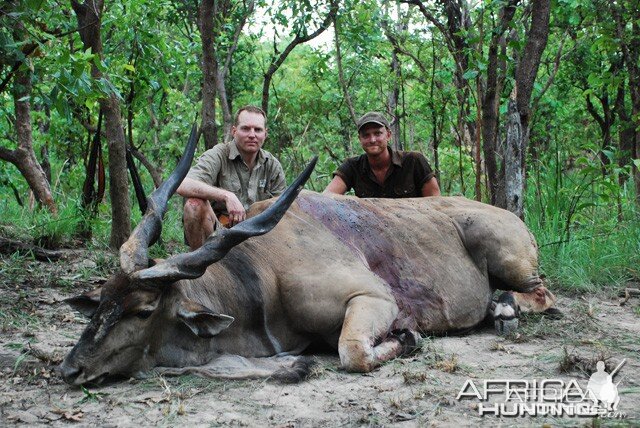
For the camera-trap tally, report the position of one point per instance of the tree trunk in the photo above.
(526, 72)
(496, 71)
(625, 137)
(23, 157)
(89, 15)
(513, 161)
(343, 82)
(630, 44)
(90, 198)
(43, 128)
(155, 173)
(392, 102)
(209, 74)
(527, 69)
(214, 17)
(227, 117)
(604, 122)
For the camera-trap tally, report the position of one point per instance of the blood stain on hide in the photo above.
(364, 229)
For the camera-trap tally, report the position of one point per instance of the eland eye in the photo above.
(144, 314)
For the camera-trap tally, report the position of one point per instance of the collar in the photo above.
(396, 157)
(234, 153)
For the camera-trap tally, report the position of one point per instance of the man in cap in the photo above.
(382, 172)
(228, 178)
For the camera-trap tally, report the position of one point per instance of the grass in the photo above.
(91, 396)
(586, 247)
(63, 230)
(16, 305)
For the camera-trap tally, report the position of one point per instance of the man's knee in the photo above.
(195, 208)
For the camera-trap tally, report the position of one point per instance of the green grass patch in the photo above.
(66, 228)
(586, 242)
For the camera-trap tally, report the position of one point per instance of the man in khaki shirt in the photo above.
(230, 177)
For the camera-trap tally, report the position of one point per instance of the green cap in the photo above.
(373, 117)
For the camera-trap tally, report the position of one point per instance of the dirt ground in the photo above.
(38, 329)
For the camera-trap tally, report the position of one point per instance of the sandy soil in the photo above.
(38, 329)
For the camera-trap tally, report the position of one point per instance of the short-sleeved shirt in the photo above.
(406, 176)
(222, 166)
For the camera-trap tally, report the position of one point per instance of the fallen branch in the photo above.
(9, 246)
(627, 293)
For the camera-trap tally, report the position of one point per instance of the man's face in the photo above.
(374, 138)
(250, 132)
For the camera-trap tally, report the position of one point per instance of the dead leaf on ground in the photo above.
(151, 399)
(22, 416)
(70, 415)
(401, 417)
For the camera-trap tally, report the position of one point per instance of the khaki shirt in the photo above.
(223, 167)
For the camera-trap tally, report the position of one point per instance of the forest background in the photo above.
(533, 106)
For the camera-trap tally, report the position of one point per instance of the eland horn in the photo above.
(133, 253)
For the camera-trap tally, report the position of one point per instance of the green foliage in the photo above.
(587, 226)
(583, 212)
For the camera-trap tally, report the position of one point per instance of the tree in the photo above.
(21, 71)
(89, 15)
(396, 74)
(525, 77)
(341, 78)
(23, 157)
(301, 35)
(465, 42)
(219, 43)
(457, 25)
(627, 24)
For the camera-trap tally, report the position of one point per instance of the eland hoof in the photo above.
(505, 314)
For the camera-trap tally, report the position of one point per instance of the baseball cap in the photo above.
(373, 117)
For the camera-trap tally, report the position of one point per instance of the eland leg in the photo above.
(366, 340)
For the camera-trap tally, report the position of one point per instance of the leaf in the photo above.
(33, 5)
(585, 205)
(609, 154)
(574, 19)
(129, 67)
(70, 415)
(470, 74)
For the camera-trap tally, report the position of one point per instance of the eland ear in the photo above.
(86, 303)
(202, 321)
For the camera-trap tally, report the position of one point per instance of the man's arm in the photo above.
(431, 187)
(190, 188)
(337, 185)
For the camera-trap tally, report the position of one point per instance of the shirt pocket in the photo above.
(362, 190)
(264, 192)
(405, 189)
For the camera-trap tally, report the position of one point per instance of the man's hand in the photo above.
(235, 209)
